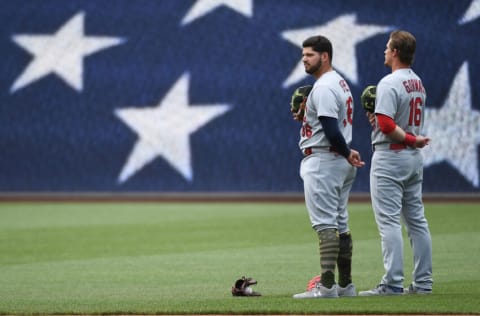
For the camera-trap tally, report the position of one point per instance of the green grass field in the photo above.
(182, 258)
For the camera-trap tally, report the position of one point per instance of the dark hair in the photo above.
(319, 44)
(405, 43)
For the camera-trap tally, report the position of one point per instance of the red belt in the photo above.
(313, 150)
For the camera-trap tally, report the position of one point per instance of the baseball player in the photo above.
(396, 173)
(328, 168)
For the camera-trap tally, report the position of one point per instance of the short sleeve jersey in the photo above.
(330, 97)
(401, 96)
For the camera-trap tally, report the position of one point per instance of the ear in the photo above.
(324, 56)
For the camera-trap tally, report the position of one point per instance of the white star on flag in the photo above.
(472, 13)
(455, 130)
(345, 34)
(203, 7)
(165, 129)
(61, 53)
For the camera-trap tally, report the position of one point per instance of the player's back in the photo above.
(402, 96)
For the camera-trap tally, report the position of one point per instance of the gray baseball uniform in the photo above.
(396, 177)
(327, 176)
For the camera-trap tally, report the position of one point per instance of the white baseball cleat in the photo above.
(412, 289)
(319, 291)
(347, 291)
(382, 289)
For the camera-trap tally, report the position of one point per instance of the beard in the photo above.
(311, 69)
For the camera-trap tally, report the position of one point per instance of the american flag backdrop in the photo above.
(193, 95)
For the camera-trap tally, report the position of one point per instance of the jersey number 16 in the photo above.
(415, 117)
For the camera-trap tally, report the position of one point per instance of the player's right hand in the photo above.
(354, 159)
(371, 118)
(298, 116)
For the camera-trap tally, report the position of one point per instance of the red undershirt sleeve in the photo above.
(386, 123)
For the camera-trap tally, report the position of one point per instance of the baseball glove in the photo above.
(298, 101)
(367, 99)
(241, 287)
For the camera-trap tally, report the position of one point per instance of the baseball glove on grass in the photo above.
(241, 287)
(298, 101)
(367, 99)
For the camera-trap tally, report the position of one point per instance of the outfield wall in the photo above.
(178, 97)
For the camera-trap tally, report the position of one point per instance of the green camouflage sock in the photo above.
(329, 247)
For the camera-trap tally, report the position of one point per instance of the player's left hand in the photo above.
(421, 141)
(354, 159)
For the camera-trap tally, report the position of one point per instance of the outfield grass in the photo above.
(174, 258)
